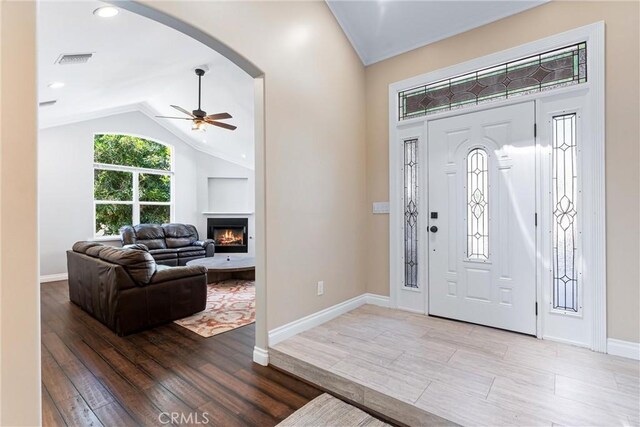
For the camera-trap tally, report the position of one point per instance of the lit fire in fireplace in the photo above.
(229, 237)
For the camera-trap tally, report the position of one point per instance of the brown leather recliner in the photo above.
(169, 244)
(128, 292)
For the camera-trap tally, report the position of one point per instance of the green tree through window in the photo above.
(126, 150)
(132, 182)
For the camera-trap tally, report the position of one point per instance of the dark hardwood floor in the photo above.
(90, 376)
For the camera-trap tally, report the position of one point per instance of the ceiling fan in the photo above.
(200, 118)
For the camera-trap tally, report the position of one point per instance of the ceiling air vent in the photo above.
(47, 103)
(75, 58)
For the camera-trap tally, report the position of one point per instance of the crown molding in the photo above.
(347, 32)
(372, 57)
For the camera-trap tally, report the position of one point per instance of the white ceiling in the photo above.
(138, 62)
(380, 29)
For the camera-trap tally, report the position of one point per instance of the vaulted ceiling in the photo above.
(136, 63)
(380, 29)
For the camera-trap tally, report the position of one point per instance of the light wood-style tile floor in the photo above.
(468, 374)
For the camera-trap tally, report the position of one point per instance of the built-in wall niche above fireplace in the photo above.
(231, 235)
(229, 194)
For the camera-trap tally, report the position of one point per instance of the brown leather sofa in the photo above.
(127, 291)
(169, 244)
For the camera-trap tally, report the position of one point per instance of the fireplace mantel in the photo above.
(227, 213)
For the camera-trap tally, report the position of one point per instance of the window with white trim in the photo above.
(132, 182)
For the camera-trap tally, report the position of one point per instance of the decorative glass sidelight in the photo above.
(477, 204)
(565, 193)
(411, 213)
(560, 67)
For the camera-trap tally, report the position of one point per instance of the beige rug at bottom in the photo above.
(326, 410)
(230, 304)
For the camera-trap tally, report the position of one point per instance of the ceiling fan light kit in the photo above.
(199, 117)
(199, 126)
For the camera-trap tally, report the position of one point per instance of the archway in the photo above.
(260, 351)
(257, 75)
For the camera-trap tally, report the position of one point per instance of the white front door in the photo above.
(481, 193)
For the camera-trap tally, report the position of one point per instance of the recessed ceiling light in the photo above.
(56, 85)
(106, 12)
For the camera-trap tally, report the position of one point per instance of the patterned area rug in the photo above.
(230, 304)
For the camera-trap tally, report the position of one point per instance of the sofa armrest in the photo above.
(208, 246)
(127, 235)
(137, 246)
(175, 273)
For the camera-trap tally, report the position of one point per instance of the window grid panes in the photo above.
(477, 205)
(411, 213)
(565, 193)
(112, 185)
(154, 187)
(560, 67)
(155, 214)
(110, 217)
(132, 183)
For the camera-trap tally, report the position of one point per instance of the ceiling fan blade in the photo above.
(182, 110)
(219, 116)
(169, 117)
(221, 125)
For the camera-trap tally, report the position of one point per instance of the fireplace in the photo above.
(229, 234)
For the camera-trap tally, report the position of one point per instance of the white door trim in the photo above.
(593, 35)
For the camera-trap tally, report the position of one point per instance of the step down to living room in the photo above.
(421, 370)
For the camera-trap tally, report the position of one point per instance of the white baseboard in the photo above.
(283, 332)
(54, 277)
(260, 356)
(375, 299)
(614, 347)
(623, 348)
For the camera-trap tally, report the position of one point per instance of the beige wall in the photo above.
(19, 295)
(315, 169)
(622, 124)
(315, 151)
(318, 186)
